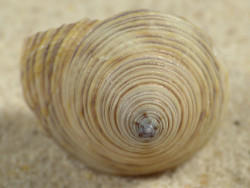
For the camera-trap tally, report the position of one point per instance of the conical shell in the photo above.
(134, 94)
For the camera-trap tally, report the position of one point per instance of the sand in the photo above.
(28, 158)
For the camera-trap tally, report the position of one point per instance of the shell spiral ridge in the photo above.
(137, 93)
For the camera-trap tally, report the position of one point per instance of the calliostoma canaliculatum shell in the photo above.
(134, 94)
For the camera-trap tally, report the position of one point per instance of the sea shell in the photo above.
(134, 94)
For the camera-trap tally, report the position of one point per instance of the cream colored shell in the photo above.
(134, 94)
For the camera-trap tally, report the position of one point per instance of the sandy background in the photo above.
(28, 158)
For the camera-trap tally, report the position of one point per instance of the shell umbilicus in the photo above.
(134, 94)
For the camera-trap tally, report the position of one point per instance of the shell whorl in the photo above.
(134, 94)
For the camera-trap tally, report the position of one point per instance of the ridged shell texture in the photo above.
(134, 94)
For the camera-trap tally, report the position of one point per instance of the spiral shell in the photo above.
(134, 94)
